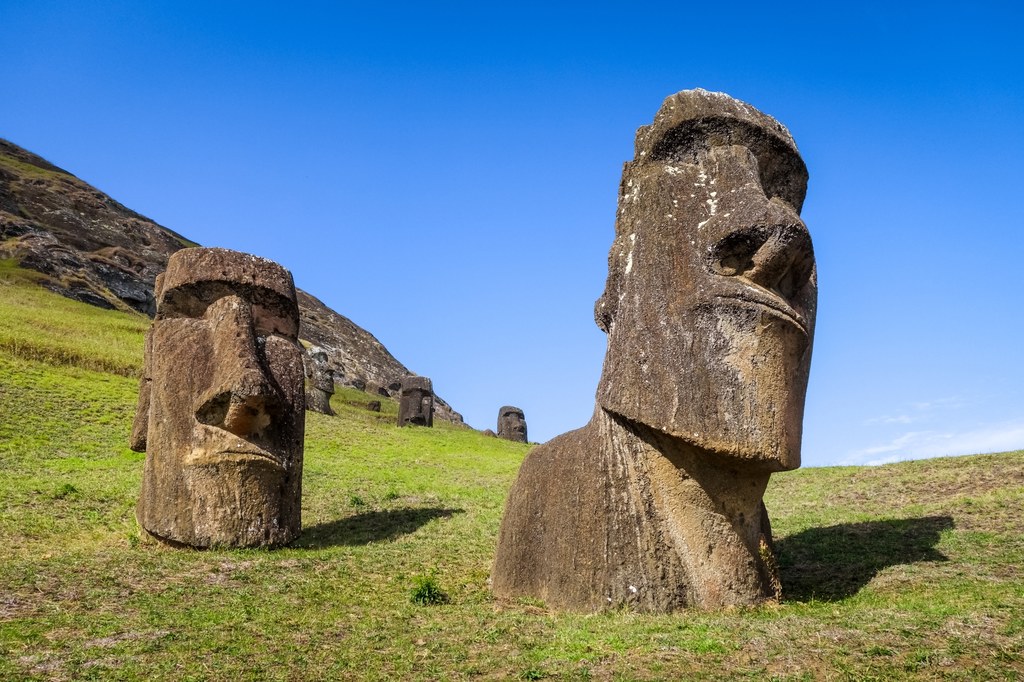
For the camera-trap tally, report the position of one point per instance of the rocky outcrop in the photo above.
(356, 356)
(91, 248)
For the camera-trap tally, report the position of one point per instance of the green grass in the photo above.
(905, 571)
(37, 325)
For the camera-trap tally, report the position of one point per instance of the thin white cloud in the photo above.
(898, 419)
(919, 412)
(925, 444)
(929, 405)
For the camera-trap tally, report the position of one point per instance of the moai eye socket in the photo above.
(734, 255)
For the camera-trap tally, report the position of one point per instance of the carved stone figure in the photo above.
(321, 382)
(416, 405)
(709, 308)
(512, 424)
(220, 413)
(373, 406)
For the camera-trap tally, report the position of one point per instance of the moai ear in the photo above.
(140, 426)
(619, 259)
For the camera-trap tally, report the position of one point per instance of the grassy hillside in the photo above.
(904, 571)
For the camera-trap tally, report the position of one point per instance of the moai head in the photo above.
(417, 402)
(321, 382)
(512, 424)
(220, 411)
(711, 293)
(319, 372)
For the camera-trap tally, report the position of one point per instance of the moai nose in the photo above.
(241, 398)
(784, 261)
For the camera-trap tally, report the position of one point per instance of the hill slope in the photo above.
(908, 571)
(90, 248)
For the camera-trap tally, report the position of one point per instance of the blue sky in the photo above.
(445, 174)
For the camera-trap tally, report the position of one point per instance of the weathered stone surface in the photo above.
(416, 405)
(220, 411)
(373, 406)
(709, 308)
(321, 381)
(512, 424)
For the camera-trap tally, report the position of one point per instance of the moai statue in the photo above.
(220, 413)
(321, 382)
(512, 424)
(417, 402)
(709, 307)
(373, 406)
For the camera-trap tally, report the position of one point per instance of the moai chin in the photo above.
(321, 382)
(416, 405)
(512, 424)
(220, 413)
(709, 307)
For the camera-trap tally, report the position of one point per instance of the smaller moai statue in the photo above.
(220, 413)
(373, 406)
(417, 402)
(512, 424)
(321, 382)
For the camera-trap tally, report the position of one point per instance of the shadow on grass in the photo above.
(368, 527)
(832, 563)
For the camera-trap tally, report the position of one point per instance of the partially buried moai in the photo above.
(709, 308)
(321, 382)
(416, 403)
(220, 411)
(512, 424)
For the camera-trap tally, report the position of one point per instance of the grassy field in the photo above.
(905, 571)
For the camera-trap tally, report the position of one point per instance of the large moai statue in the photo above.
(220, 412)
(416, 405)
(656, 504)
(512, 424)
(321, 381)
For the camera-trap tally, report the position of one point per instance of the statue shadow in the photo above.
(835, 562)
(373, 526)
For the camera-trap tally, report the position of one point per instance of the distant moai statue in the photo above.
(709, 308)
(512, 424)
(321, 381)
(220, 413)
(416, 405)
(373, 406)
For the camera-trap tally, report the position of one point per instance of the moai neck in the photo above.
(710, 511)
